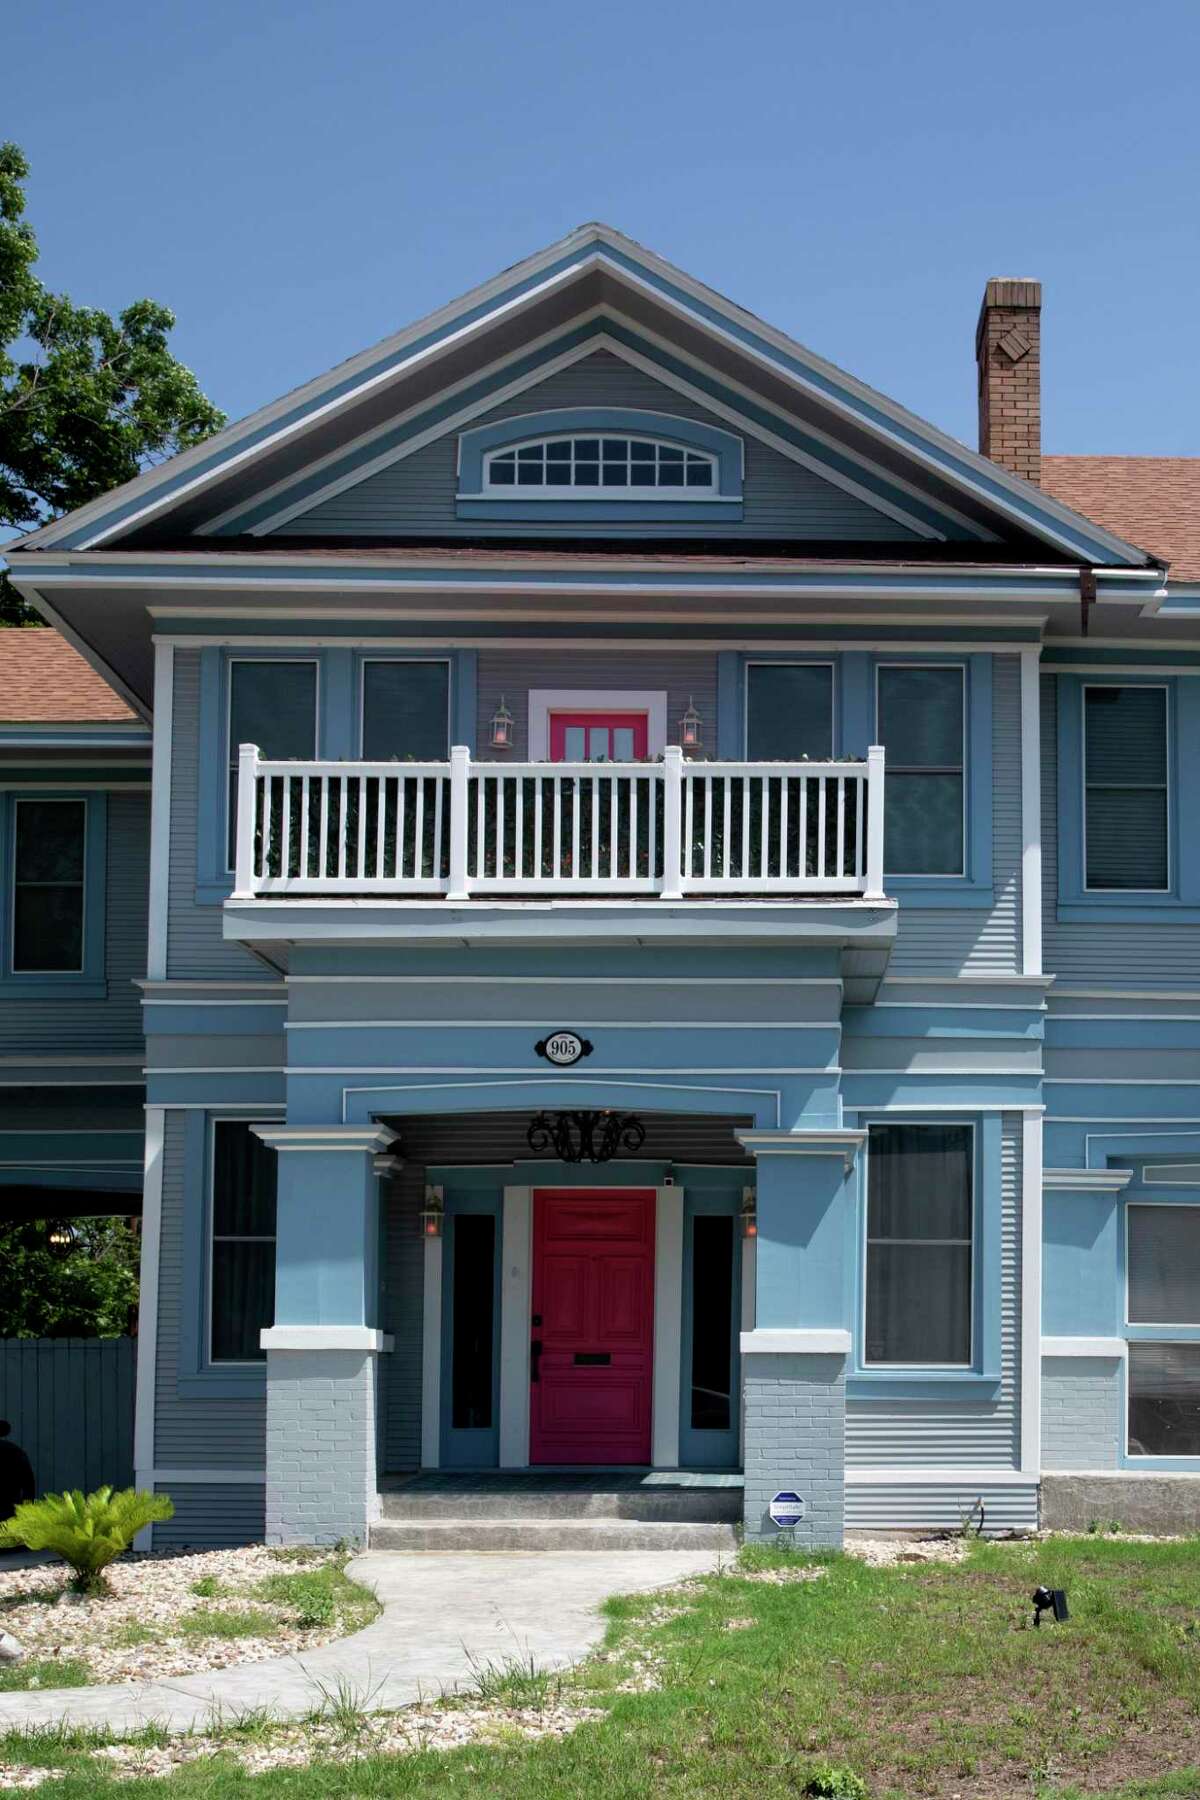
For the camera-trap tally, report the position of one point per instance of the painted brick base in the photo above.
(322, 1485)
(796, 1439)
(1082, 1426)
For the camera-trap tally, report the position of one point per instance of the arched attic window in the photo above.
(600, 465)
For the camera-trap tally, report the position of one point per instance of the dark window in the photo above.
(273, 705)
(48, 884)
(789, 712)
(243, 1242)
(920, 725)
(1125, 787)
(1164, 1265)
(919, 1237)
(405, 711)
(474, 1303)
(712, 1323)
(1164, 1399)
(610, 462)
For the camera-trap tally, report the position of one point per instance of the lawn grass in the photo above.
(918, 1680)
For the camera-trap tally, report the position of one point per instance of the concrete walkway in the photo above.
(443, 1616)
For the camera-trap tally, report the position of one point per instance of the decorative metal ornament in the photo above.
(594, 1137)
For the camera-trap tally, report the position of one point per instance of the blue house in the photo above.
(672, 926)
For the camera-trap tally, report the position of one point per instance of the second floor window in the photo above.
(920, 722)
(1125, 789)
(405, 711)
(789, 712)
(48, 886)
(273, 705)
(601, 462)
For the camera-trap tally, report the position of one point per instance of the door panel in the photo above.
(593, 1316)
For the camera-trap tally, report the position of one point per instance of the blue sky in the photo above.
(296, 178)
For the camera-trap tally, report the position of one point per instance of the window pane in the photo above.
(405, 711)
(597, 743)
(1127, 838)
(48, 930)
(243, 1299)
(1164, 1265)
(503, 473)
(919, 1303)
(244, 1175)
(1164, 1399)
(574, 741)
(622, 743)
(712, 1323)
(921, 717)
(920, 1181)
(473, 1302)
(923, 824)
(1126, 735)
(789, 711)
(919, 1248)
(243, 1264)
(50, 836)
(273, 705)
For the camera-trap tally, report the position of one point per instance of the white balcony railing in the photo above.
(463, 828)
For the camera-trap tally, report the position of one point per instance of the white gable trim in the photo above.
(601, 341)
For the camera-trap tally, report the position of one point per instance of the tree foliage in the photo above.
(90, 1292)
(88, 1532)
(87, 401)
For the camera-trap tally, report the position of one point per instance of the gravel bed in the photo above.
(154, 1593)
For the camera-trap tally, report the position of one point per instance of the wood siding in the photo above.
(70, 1404)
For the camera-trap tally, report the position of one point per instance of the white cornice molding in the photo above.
(324, 1138)
(844, 1142)
(324, 1337)
(1115, 1348)
(770, 1342)
(1086, 1181)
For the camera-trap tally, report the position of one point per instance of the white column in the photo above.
(874, 889)
(516, 1292)
(1031, 1293)
(460, 779)
(672, 886)
(147, 1344)
(1031, 814)
(160, 811)
(247, 808)
(668, 1326)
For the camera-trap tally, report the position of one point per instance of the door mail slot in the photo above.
(593, 1359)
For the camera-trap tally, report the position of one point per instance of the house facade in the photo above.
(672, 925)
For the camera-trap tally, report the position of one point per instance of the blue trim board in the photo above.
(466, 1194)
(699, 1447)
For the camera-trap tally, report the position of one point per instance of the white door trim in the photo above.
(516, 1287)
(668, 1326)
(544, 701)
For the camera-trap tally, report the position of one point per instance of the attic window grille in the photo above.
(602, 462)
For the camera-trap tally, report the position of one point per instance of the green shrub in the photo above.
(88, 1532)
(832, 1783)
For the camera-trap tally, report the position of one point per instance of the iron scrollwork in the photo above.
(594, 1137)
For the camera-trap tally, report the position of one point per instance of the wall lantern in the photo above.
(61, 1236)
(433, 1212)
(502, 727)
(689, 727)
(749, 1212)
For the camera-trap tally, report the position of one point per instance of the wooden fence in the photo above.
(70, 1404)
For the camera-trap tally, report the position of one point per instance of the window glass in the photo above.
(919, 1244)
(48, 886)
(920, 725)
(243, 1242)
(601, 462)
(273, 705)
(789, 712)
(712, 1323)
(406, 711)
(1164, 1399)
(474, 1306)
(1125, 787)
(1164, 1265)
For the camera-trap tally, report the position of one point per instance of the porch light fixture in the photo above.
(749, 1212)
(689, 727)
(593, 1137)
(433, 1212)
(61, 1236)
(502, 727)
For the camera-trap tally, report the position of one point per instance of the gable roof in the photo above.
(1155, 499)
(43, 681)
(593, 266)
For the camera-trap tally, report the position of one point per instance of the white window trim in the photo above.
(541, 491)
(792, 662)
(544, 701)
(208, 1360)
(922, 1368)
(20, 800)
(964, 770)
(445, 662)
(231, 749)
(1164, 688)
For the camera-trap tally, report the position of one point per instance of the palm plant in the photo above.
(87, 1531)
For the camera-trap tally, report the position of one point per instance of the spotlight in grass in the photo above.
(1051, 1600)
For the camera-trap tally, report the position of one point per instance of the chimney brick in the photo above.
(1008, 351)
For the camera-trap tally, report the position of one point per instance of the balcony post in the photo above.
(874, 889)
(672, 885)
(247, 810)
(460, 775)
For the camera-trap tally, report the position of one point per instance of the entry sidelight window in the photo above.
(920, 1231)
(473, 1301)
(242, 1269)
(712, 1323)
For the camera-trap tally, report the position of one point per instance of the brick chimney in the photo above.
(1008, 350)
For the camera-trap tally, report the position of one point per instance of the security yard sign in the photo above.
(786, 1510)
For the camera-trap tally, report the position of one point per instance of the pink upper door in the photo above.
(598, 736)
(592, 1326)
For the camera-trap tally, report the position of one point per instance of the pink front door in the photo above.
(598, 736)
(592, 1329)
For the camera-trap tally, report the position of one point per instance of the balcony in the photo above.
(463, 830)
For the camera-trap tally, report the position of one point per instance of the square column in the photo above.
(323, 1349)
(794, 1358)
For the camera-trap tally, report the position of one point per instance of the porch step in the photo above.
(574, 1534)
(644, 1504)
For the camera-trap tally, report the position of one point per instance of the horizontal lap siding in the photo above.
(957, 1434)
(1122, 955)
(192, 1434)
(70, 1404)
(968, 939)
(929, 1506)
(512, 673)
(417, 494)
(195, 946)
(214, 1515)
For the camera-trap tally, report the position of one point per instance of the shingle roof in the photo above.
(43, 681)
(1151, 500)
